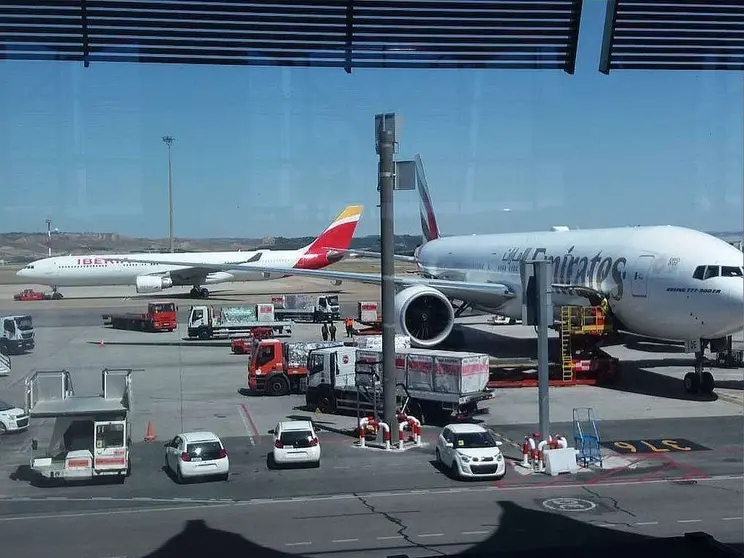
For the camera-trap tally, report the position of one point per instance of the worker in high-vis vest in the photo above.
(349, 323)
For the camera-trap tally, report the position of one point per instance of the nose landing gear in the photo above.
(699, 381)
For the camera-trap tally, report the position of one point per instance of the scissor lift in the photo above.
(581, 329)
(586, 436)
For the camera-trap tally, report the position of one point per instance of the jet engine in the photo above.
(152, 283)
(424, 314)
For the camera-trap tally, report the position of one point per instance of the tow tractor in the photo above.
(30, 294)
(91, 436)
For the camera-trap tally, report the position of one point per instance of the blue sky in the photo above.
(272, 151)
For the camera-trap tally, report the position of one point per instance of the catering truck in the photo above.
(223, 322)
(18, 335)
(91, 436)
(431, 385)
(300, 308)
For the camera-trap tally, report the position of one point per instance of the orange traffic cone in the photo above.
(150, 432)
(101, 344)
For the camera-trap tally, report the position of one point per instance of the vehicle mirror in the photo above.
(34, 444)
(499, 443)
(271, 431)
(449, 444)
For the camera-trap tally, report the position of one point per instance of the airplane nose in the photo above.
(735, 307)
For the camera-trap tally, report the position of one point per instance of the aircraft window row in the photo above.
(704, 272)
(99, 265)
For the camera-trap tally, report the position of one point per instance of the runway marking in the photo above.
(689, 520)
(647, 523)
(192, 504)
(304, 543)
(431, 535)
(253, 435)
(731, 518)
(390, 538)
(344, 540)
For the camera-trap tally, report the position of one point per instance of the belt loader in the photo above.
(91, 436)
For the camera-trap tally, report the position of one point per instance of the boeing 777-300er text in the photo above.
(160, 272)
(662, 282)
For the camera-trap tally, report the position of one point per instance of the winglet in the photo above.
(429, 226)
(337, 235)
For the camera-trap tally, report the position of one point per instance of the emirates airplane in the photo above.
(661, 282)
(161, 271)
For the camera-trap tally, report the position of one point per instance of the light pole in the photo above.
(168, 140)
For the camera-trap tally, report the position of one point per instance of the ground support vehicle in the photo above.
(298, 308)
(12, 418)
(278, 368)
(91, 436)
(295, 441)
(222, 322)
(432, 385)
(5, 365)
(197, 454)
(30, 294)
(369, 317)
(17, 335)
(243, 344)
(160, 316)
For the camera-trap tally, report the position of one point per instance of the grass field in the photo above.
(361, 265)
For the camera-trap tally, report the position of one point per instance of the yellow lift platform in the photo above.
(577, 322)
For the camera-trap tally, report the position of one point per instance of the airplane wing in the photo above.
(460, 290)
(193, 272)
(366, 254)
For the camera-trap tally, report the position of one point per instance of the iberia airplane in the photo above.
(161, 271)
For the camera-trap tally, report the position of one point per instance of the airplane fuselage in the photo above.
(647, 274)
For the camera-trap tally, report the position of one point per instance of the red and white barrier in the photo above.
(401, 426)
(385, 434)
(363, 424)
(540, 448)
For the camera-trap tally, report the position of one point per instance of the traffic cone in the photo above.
(101, 344)
(150, 432)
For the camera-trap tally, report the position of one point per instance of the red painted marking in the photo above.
(254, 430)
(78, 463)
(110, 461)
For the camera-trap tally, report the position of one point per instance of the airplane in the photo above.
(668, 283)
(160, 272)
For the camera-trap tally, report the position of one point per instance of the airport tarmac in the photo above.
(363, 499)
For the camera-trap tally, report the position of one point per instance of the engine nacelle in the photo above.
(152, 283)
(336, 282)
(424, 314)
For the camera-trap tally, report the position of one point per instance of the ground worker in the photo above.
(324, 332)
(349, 327)
(604, 306)
(332, 331)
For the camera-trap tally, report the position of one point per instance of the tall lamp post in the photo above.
(49, 236)
(168, 141)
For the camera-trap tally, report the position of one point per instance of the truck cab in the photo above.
(17, 334)
(328, 305)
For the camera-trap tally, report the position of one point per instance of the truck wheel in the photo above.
(204, 334)
(277, 386)
(4, 349)
(325, 404)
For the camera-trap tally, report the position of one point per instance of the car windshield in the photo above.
(204, 450)
(5, 406)
(297, 438)
(471, 440)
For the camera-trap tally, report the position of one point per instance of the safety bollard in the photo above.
(526, 452)
(540, 448)
(385, 434)
(400, 435)
(363, 422)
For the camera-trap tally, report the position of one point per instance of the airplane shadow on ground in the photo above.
(520, 532)
(634, 376)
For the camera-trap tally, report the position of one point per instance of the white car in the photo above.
(295, 441)
(12, 418)
(470, 451)
(197, 454)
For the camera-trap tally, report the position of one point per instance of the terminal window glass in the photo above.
(110, 435)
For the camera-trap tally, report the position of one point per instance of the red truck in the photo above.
(160, 316)
(243, 345)
(277, 368)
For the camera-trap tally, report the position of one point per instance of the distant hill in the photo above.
(18, 247)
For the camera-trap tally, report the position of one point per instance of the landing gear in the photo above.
(56, 295)
(197, 292)
(699, 381)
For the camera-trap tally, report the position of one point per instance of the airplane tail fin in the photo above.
(338, 234)
(429, 226)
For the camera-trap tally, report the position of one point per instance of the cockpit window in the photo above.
(711, 271)
(699, 272)
(731, 271)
